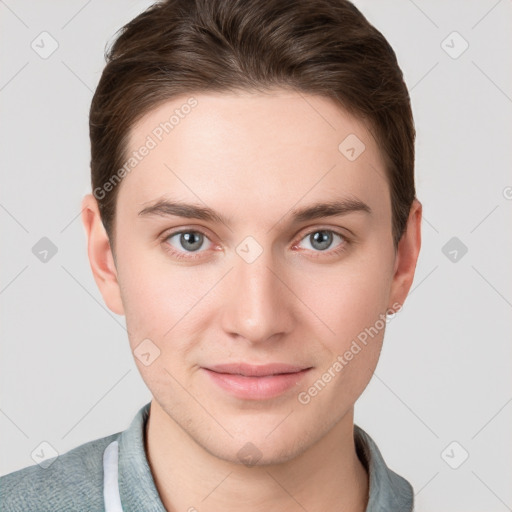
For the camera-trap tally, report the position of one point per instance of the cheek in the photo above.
(157, 310)
(350, 298)
(353, 306)
(145, 292)
(159, 297)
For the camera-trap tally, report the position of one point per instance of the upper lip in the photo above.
(250, 370)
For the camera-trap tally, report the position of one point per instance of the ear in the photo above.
(406, 257)
(100, 255)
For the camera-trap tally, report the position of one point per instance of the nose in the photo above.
(258, 304)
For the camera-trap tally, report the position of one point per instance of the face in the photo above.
(258, 293)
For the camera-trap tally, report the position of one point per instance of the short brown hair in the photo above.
(324, 47)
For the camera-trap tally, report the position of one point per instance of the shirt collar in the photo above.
(388, 491)
(136, 485)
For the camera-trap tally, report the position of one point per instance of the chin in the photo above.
(254, 454)
(260, 446)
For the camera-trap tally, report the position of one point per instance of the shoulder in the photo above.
(72, 482)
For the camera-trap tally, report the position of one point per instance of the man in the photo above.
(254, 218)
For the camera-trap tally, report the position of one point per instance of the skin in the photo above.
(254, 158)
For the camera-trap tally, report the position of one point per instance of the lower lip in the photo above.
(256, 388)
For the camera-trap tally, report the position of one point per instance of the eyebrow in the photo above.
(167, 208)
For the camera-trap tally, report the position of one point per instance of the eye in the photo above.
(191, 244)
(184, 243)
(321, 240)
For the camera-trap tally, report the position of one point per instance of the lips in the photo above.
(249, 370)
(256, 382)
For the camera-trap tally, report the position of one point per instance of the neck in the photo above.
(327, 476)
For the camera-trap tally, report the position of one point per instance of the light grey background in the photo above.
(67, 375)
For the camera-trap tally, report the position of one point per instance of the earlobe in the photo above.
(100, 255)
(407, 256)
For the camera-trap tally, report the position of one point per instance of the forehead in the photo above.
(250, 149)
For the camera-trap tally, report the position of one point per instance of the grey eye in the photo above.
(189, 240)
(321, 239)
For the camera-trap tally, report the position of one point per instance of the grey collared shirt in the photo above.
(75, 481)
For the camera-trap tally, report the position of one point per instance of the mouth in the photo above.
(256, 382)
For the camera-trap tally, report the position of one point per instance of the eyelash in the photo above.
(193, 256)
